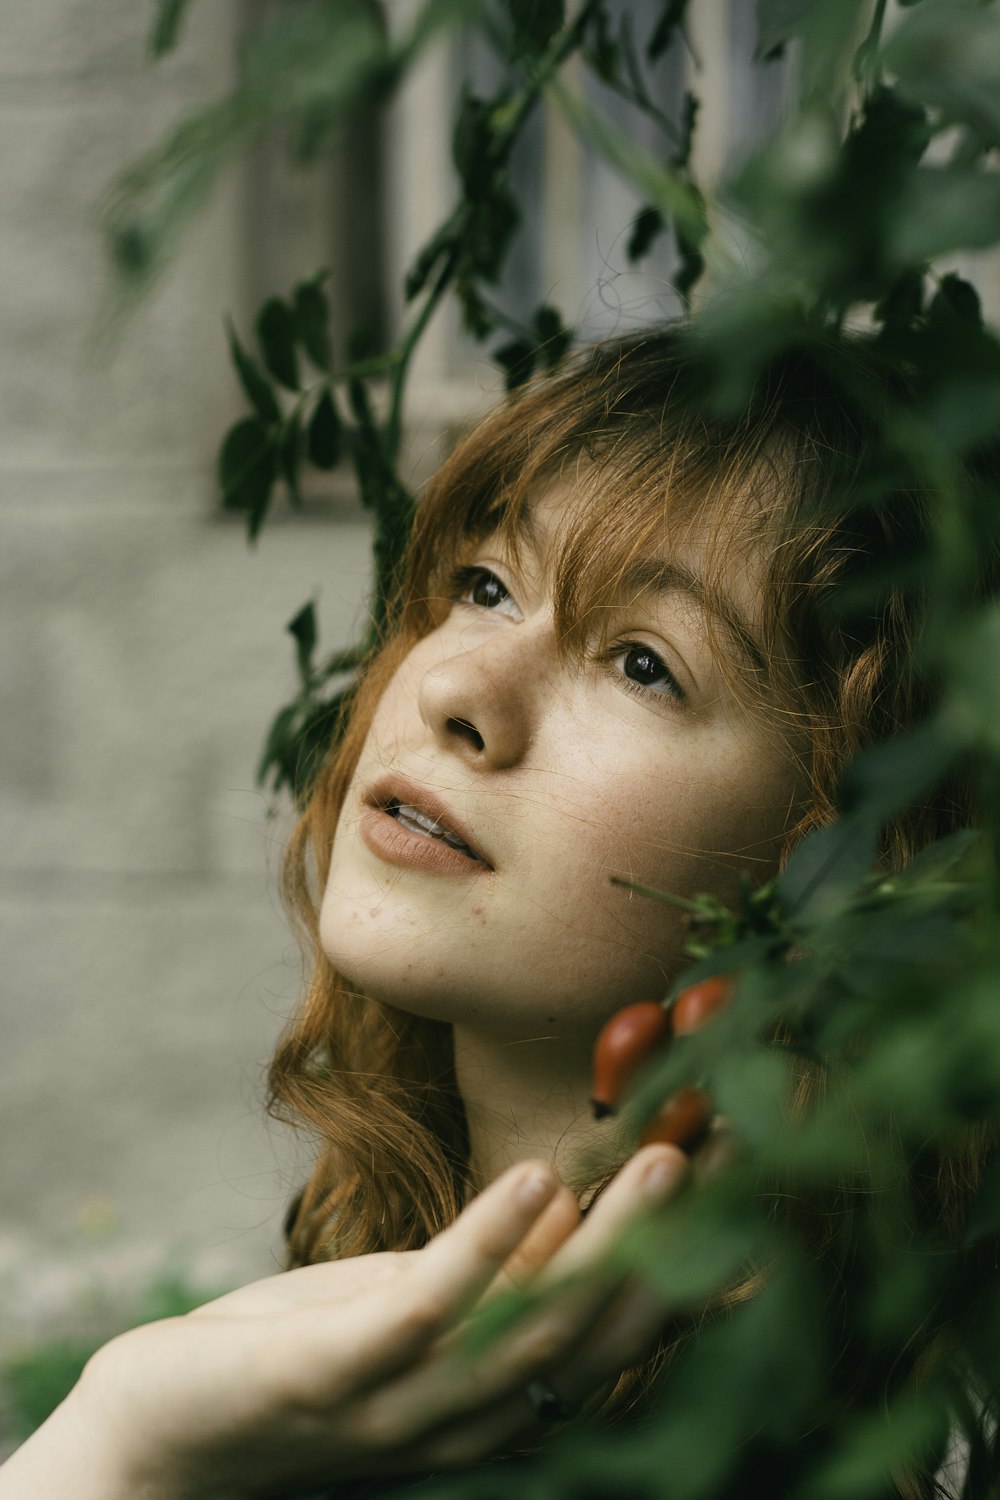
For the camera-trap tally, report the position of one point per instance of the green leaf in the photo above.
(647, 228)
(946, 53)
(689, 117)
(312, 323)
(279, 747)
(826, 868)
(941, 210)
(247, 470)
(958, 300)
(827, 32)
(477, 317)
(664, 185)
(428, 258)
(290, 457)
(517, 359)
(166, 28)
(257, 388)
(671, 19)
(975, 652)
(488, 233)
(276, 334)
(304, 628)
(778, 21)
(535, 23)
(553, 337)
(602, 51)
(473, 145)
(954, 856)
(323, 436)
(320, 729)
(904, 301)
(884, 779)
(692, 261)
(984, 1211)
(873, 1445)
(751, 1088)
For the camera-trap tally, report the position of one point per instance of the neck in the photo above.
(530, 1099)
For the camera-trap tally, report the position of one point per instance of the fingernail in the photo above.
(535, 1189)
(660, 1177)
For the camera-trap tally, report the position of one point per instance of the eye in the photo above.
(645, 672)
(484, 590)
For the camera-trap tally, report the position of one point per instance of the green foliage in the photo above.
(535, 23)
(670, 22)
(878, 175)
(35, 1378)
(167, 26)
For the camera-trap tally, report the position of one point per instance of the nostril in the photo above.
(467, 731)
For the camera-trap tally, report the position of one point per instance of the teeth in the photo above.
(418, 822)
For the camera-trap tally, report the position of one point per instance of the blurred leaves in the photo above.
(312, 65)
(312, 322)
(277, 331)
(167, 25)
(535, 22)
(248, 467)
(663, 35)
(946, 54)
(257, 388)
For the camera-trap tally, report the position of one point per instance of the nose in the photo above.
(482, 701)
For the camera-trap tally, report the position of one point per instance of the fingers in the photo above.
(650, 1177)
(450, 1386)
(451, 1274)
(560, 1218)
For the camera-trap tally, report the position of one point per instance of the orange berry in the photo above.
(623, 1044)
(682, 1120)
(695, 1007)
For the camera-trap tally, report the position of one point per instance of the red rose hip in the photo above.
(682, 1120)
(624, 1043)
(695, 1007)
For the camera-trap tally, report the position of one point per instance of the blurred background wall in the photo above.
(147, 966)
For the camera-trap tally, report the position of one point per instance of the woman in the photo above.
(614, 656)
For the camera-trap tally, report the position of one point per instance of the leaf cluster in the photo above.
(294, 423)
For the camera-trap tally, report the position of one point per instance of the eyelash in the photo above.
(464, 580)
(672, 690)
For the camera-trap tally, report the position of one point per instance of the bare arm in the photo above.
(353, 1368)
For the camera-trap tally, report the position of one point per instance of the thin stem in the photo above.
(681, 902)
(404, 353)
(866, 64)
(514, 116)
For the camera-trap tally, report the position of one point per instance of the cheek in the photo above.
(695, 823)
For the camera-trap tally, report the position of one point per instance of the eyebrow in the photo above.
(673, 577)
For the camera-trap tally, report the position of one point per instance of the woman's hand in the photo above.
(359, 1367)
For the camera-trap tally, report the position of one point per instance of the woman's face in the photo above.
(501, 785)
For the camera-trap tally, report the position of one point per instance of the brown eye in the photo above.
(646, 672)
(642, 665)
(487, 591)
(483, 589)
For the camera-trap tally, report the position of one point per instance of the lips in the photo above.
(423, 815)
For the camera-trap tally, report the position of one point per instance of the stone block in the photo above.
(146, 657)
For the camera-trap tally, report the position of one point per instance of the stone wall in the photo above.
(147, 966)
